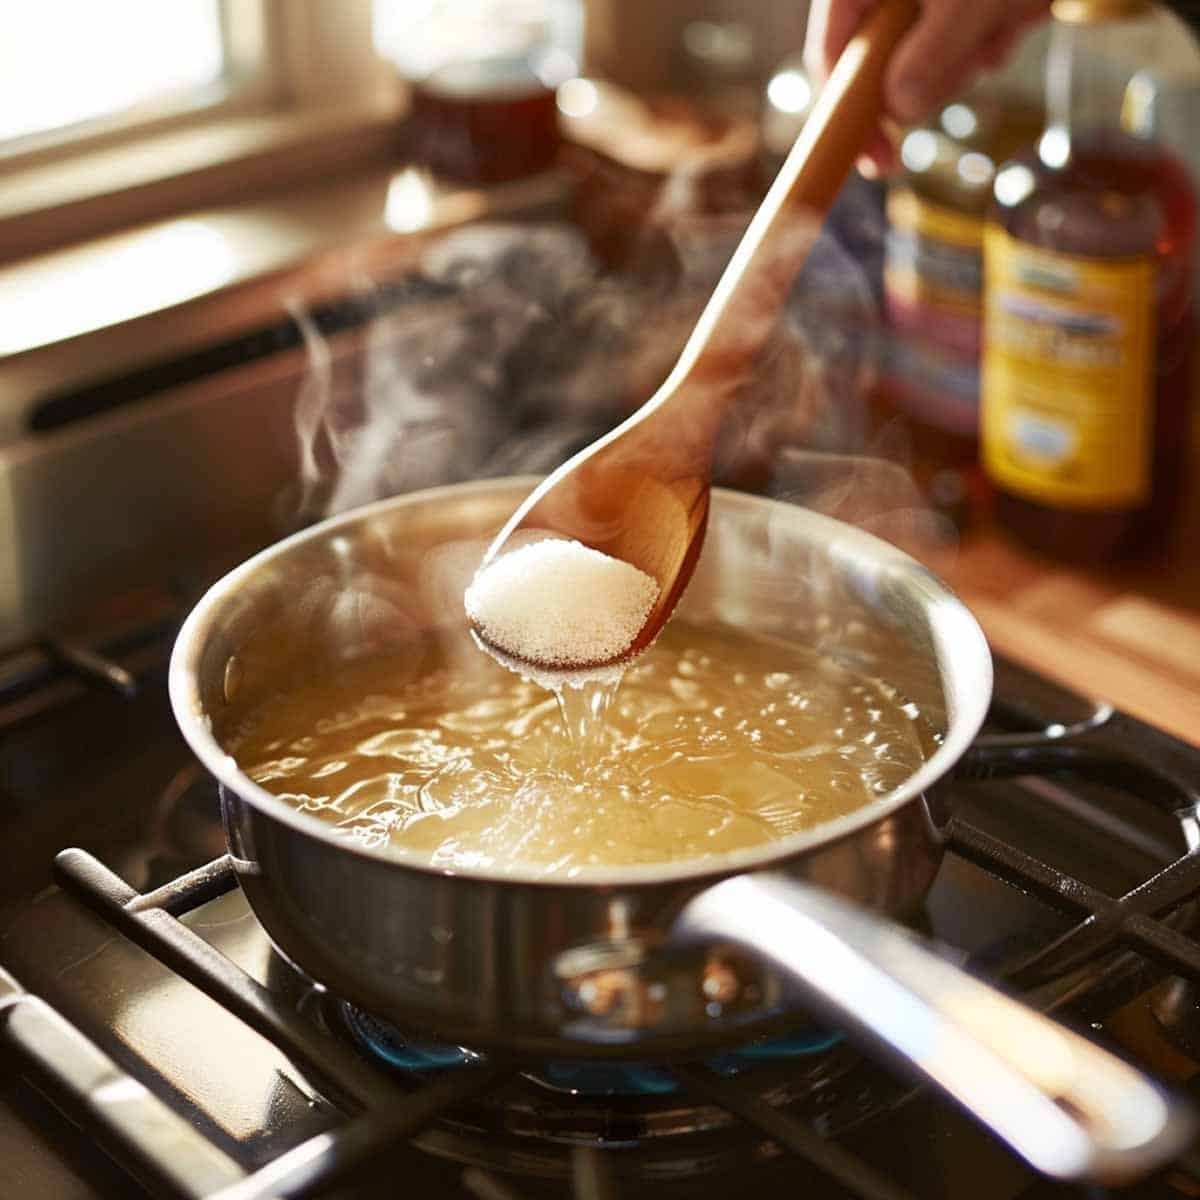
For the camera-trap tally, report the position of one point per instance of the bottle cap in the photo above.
(1093, 12)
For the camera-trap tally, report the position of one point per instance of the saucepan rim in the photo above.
(964, 717)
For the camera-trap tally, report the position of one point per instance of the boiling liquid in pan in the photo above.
(716, 740)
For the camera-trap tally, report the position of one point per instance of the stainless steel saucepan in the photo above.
(651, 962)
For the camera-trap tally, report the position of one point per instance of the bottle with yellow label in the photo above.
(1086, 381)
(933, 267)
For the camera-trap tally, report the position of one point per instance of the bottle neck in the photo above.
(1092, 69)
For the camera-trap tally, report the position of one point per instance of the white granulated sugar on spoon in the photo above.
(559, 604)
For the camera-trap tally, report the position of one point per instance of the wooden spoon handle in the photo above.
(847, 110)
(737, 320)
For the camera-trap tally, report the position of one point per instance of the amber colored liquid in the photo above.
(939, 435)
(482, 122)
(716, 740)
(1078, 209)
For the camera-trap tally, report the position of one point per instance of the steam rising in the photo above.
(493, 362)
(509, 348)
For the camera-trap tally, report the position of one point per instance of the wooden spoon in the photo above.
(641, 492)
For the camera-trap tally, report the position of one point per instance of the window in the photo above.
(114, 112)
(67, 62)
(77, 75)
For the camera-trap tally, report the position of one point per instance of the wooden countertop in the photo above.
(1127, 634)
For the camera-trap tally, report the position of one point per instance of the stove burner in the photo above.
(384, 1041)
(652, 1124)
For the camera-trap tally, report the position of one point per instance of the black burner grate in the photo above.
(1131, 919)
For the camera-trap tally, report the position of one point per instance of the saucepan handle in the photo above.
(1071, 1109)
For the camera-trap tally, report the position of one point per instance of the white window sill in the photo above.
(100, 190)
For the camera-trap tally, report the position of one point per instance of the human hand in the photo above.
(950, 40)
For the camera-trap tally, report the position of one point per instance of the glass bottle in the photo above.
(1088, 310)
(933, 265)
(482, 76)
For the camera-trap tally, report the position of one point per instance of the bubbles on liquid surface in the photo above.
(681, 763)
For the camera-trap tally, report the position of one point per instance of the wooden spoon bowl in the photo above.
(641, 492)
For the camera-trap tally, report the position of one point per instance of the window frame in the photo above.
(299, 71)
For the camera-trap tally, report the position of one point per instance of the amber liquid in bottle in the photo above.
(933, 272)
(1117, 197)
(483, 122)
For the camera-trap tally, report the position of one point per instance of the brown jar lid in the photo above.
(1093, 12)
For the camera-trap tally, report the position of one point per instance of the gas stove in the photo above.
(152, 1034)
(153, 1043)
